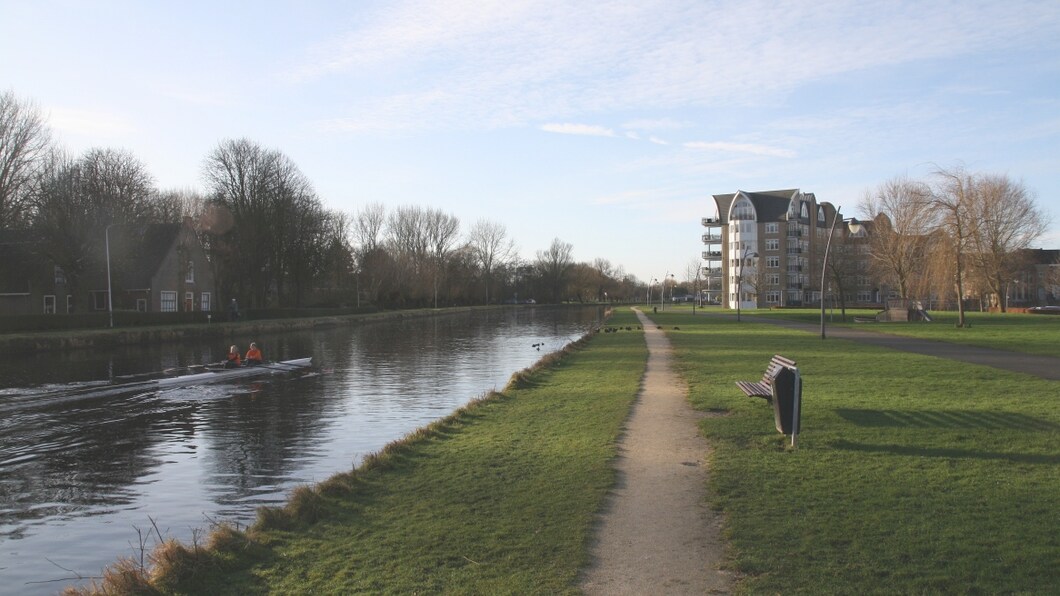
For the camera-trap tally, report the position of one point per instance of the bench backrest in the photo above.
(777, 364)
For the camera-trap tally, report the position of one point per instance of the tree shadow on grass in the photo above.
(946, 419)
(913, 451)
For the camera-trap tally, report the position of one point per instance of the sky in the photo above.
(607, 124)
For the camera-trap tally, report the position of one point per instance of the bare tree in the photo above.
(491, 248)
(953, 197)
(442, 233)
(77, 200)
(1007, 221)
(407, 242)
(173, 206)
(553, 265)
(903, 215)
(373, 261)
(273, 247)
(25, 142)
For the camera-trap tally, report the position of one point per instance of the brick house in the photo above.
(154, 268)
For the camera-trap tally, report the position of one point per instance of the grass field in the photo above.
(1016, 332)
(912, 475)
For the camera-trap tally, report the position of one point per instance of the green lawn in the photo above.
(1017, 332)
(912, 475)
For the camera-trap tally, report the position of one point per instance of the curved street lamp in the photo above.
(855, 227)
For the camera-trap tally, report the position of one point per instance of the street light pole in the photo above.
(110, 303)
(824, 267)
(662, 292)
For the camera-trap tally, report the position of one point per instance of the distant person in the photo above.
(253, 355)
(232, 359)
(233, 310)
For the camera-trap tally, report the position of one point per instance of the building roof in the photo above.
(19, 260)
(149, 244)
(770, 205)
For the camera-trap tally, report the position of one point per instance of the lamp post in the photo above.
(854, 227)
(739, 278)
(662, 292)
(106, 246)
(647, 299)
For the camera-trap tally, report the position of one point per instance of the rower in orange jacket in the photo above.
(253, 355)
(233, 360)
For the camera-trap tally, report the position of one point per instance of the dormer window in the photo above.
(189, 273)
(820, 214)
(743, 210)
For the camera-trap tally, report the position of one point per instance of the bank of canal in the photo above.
(79, 477)
(498, 498)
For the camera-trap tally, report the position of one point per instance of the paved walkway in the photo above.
(1045, 367)
(657, 535)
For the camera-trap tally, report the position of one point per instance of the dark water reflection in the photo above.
(81, 471)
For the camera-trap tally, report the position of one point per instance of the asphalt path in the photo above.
(1044, 367)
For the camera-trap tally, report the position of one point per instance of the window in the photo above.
(49, 304)
(189, 274)
(820, 214)
(772, 262)
(772, 244)
(69, 303)
(864, 296)
(773, 297)
(773, 279)
(204, 302)
(169, 301)
(141, 305)
(99, 300)
(60, 276)
(772, 228)
(743, 210)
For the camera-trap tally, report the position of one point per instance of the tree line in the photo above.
(954, 235)
(271, 240)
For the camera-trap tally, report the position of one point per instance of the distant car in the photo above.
(1044, 310)
(531, 301)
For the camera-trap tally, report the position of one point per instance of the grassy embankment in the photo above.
(913, 474)
(498, 498)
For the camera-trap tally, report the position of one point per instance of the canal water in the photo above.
(88, 473)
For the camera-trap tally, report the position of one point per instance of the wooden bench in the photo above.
(763, 388)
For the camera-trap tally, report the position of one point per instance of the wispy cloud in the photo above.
(751, 148)
(579, 129)
(648, 124)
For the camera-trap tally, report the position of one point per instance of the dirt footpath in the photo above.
(656, 535)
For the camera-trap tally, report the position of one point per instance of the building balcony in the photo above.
(712, 222)
(711, 255)
(711, 238)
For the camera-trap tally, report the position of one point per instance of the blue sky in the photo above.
(608, 125)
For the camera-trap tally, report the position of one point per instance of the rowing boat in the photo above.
(225, 374)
